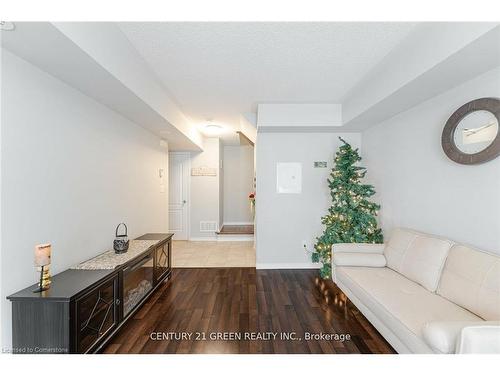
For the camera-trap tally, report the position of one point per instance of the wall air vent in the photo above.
(208, 226)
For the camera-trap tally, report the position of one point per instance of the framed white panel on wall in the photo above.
(289, 178)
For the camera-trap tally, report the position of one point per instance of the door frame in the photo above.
(188, 190)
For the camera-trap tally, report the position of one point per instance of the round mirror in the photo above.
(476, 131)
(471, 134)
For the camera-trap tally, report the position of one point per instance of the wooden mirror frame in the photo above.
(447, 139)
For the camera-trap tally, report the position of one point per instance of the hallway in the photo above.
(212, 254)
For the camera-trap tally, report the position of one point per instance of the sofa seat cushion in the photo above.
(471, 279)
(418, 256)
(401, 304)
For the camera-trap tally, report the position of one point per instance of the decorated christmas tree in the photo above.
(351, 217)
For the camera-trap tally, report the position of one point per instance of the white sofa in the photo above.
(423, 293)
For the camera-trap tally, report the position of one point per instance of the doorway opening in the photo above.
(211, 211)
(238, 209)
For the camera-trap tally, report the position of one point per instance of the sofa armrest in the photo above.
(463, 336)
(370, 248)
(359, 259)
(480, 339)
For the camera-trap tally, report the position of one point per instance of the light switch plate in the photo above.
(289, 178)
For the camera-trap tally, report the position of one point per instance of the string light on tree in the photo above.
(351, 217)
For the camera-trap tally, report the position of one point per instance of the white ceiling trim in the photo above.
(89, 60)
(432, 59)
(221, 70)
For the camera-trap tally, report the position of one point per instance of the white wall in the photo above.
(285, 220)
(71, 171)
(248, 126)
(419, 187)
(238, 183)
(204, 189)
(221, 184)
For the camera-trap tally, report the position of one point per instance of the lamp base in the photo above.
(45, 281)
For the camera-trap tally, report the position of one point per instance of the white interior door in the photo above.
(178, 205)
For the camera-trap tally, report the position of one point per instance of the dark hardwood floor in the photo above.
(238, 300)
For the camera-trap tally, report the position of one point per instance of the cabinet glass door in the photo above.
(137, 282)
(162, 260)
(96, 314)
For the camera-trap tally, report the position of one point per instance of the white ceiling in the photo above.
(219, 71)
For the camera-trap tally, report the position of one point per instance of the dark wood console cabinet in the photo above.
(83, 309)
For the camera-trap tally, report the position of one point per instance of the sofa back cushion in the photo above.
(471, 279)
(418, 256)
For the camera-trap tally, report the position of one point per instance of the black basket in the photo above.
(121, 242)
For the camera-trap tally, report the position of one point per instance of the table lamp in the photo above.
(42, 262)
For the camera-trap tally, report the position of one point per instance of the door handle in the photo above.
(184, 201)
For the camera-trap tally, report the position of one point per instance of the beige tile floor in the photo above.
(208, 254)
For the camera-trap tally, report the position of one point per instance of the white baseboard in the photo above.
(235, 237)
(224, 237)
(279, 266)
(238, 223)
(214, 239)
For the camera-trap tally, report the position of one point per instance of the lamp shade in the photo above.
(42, 254)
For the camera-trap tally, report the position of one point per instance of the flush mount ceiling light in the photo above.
(213, 129)
(7, 26)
